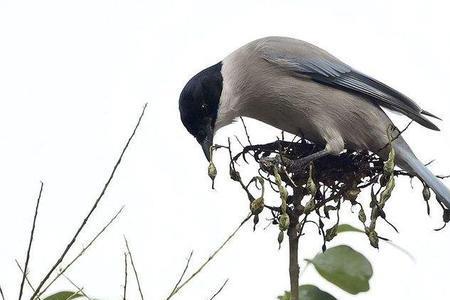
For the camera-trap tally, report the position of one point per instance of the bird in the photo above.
(302, 89)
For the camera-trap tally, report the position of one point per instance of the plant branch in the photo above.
(220, 290)
(63, 270)
(25, 275)
(134, 268)
(126, 276)
(86, 219)
(209, 258)
(27, 260)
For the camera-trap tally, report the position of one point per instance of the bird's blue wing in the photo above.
(323, 68)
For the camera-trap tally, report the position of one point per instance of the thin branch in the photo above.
(63, 270)
(1, 293)
(97, 201)
(80, 290)
(186, 267)
(126, 276)
(220, 290)
(210, 258)
(27, 260)
(25, 275)
(134, 268)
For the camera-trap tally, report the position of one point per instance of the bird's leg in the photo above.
(299, 164)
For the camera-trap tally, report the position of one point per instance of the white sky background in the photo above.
(74, 76)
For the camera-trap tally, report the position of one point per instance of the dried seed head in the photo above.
(389, 165)
(234, 175)
(352, 194)
(280, 238)
(283, 193)
(386, 194)
(373, 238)
(310, 184)
(426, 193)
(255, 221)
(212, 172)
(257, 206)
(331, 233)
(362, 216)
(284, 222)
(309, 206)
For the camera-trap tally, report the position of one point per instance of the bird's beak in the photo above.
(207, 144)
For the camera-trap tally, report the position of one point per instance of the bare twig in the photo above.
(134, 268)
(27, 260)
(126, 276)
(220, 290)
(1, 293)
(63, 270)
(186, 267)
(97, 201)
(25, 275)
(210, 258)
(80, 290)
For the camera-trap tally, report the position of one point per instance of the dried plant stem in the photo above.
(220, 290)
(125, 256)
(294, 268)
(1, 293)
(134, 269)
(27, 260)
(63, 270)
(25, 274)
(94, 206)
(176, 290)
(79, 289)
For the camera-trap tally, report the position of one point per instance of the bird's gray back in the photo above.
(259, 89)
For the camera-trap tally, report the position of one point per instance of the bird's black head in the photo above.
(199, 103)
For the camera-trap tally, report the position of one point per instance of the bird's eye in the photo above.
(204, 107)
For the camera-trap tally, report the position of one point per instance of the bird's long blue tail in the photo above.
(409, 162)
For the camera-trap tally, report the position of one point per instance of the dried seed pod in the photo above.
(373, 238)
(257, 206)
(331, 233)
(212, 172)
(426, 193)
(277, 177)
(283, 193)
(389, 165)
(362, 216)
(352, 194)
(310, 184)
(309, 206)
(284, 222)
(446, 215)
(280, 238)
(255, 221)
(386, 194)
(234, 175)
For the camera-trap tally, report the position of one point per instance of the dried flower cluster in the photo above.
(312, 194)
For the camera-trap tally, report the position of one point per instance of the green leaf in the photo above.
(65, 295)
(348, 228)
(344, 267)
(309, 292)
